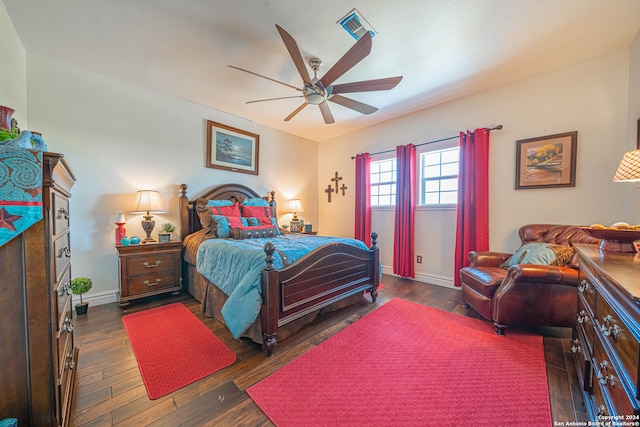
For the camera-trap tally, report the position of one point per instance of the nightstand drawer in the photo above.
(153, 263)
(152, 281)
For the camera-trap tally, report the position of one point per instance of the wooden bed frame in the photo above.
(326, 275)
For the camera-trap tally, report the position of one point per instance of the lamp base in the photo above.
(147, 225)
(120, 232)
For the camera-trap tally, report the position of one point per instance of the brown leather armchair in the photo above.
(525, 294)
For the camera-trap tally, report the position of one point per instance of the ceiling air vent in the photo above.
(356, 25)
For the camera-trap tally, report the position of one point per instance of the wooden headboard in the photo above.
(189, 220)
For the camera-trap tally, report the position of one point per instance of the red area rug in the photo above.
(406, 364)
(173, 348)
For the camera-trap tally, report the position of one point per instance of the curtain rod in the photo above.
(498, 127)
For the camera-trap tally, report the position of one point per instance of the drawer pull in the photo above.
(157, 282)
(582, 316)
(66, 325)
(604, 379)
(576, 348)
(602, 410)
(608, 329)
(63, 213)
(154, 265)
(583, 286)
(66, 289)
(64, 251)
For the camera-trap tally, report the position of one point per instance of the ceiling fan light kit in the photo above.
(317, 91)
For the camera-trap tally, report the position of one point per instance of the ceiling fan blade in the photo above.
(296, 111)
(273, 99)
(264, 77)
(358, 106)
(326, 113)
(367, 86)
(357, 53)
(294, 52)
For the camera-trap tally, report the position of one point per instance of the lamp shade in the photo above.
(629, 168)
(295, 206)
(148, 201)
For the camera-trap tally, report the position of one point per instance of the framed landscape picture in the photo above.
(546, 161)
(232, 149)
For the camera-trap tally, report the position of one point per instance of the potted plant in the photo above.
(79, 286)
(165, 234)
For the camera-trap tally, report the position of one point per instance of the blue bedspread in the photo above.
(235, 267)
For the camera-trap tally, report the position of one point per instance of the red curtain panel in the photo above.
(403, 250)
(363, 199)
(472, 232)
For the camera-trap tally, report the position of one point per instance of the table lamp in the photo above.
(148, 202)
(295, 207)
(629, 167)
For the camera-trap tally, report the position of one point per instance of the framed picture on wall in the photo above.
(232, 149)
(546, 161)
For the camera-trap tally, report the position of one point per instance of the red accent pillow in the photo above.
(229, 211)
(256, 211)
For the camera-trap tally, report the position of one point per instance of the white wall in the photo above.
(591, 98)
(13, 69)
(634, 124)
(120, 138)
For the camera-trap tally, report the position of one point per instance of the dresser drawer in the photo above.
(60, 214)
(584, 321)
(65, 348)
(153, 263)
(620, 340)
(588, 291)
(152, 281)
(63, 299)
(608, 379)
(62, 254)
(582, 358)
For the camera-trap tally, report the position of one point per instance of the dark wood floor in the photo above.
(110, 392)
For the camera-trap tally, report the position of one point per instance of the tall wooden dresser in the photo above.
(37, 353)
(606, 334)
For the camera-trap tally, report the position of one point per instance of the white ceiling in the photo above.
(445, 49)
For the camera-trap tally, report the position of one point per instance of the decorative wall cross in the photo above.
(329, 190)
(336, 179)
(344, 187)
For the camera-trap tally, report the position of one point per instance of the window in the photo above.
(439, 176)
(383, 182)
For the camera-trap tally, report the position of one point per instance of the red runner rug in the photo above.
(173, 348)
(406, 364)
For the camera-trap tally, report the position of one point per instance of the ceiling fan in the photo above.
(318, 91)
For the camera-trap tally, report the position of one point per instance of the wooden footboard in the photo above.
(329, 274)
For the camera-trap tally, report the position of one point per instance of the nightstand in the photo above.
(149, 269)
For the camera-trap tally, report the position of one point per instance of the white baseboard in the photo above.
(433, 279)
(98, 298)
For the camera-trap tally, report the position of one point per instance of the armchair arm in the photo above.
(542, 274)
(487, 258)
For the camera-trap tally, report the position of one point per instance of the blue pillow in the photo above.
(257, 201)
(533, 253)
(219, 203)
(225, 224)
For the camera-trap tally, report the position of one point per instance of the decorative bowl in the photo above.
(614, 239)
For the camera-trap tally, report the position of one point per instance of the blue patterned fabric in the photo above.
(235, 266)
(20, 190)
(255, 202)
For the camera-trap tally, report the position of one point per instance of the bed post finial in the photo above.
(273, 196)
(269, 249)
(374, 239)
(183, 190)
